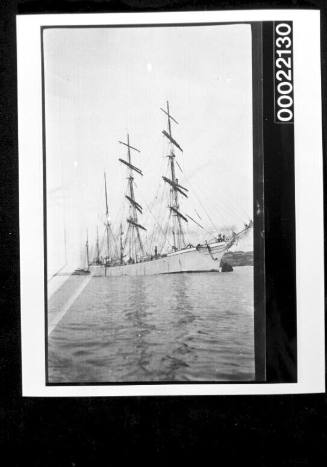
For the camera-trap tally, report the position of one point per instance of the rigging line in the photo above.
(219, 209)
(157, 223)
(180, 168)
(157, 192)
(232, 205)
(189, 234)
(211, 221)
(229, 210)
(229, 196)
(126, 236)
(154, 230)
(112, 242)
(199, 225)
(222, 207)
(197, 214)
(229, 206)
(114, 249)
(160, 191)
(167, 224)
(150, 239)
(153, 236)
(222, 212)
(120, 210)
(161, 245)
(194, 192)
(159, 202)
(159, 233)
(158, 219)
(165, 236)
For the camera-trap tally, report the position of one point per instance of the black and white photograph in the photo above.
(162, 215)
(157, 191)
(149, 178)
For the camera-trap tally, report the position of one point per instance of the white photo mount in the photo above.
(308, 193)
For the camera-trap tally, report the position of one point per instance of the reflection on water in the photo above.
(181, 327)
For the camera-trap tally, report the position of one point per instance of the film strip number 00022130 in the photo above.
(283, 72)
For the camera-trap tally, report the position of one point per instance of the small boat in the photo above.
(86, 270)
(80, 272)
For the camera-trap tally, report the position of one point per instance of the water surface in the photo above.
(181, 327)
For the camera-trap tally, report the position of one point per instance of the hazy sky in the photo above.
(102, 83)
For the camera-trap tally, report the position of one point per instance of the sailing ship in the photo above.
(86, 269)
(132, 259)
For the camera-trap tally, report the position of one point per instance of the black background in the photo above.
(262, 430)
(280, 241)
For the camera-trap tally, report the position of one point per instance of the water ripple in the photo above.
(187, 327)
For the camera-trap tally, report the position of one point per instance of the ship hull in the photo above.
(183, 261)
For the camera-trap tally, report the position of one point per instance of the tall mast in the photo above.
(133, 231)
(87, 250)
(98, 249)
(107, 215)
(175, 188)
(121, 233)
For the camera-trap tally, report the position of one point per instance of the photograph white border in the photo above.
(308, 196)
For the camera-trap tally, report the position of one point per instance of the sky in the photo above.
(102, 83)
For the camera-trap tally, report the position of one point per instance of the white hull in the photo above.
(187, 260)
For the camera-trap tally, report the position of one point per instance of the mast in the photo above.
(133, 231)
(121, 233)
(87, 251)
(98, 249)
(175, 188)
(107, 216)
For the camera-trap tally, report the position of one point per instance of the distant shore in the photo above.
(238, 258)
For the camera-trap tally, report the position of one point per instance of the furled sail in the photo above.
(130, 221)
(176, 186)
(131, 166)
(134, 203)
(171, 139)
(129, 146)
(179, 214)
(195, 222)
